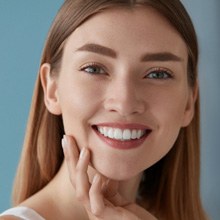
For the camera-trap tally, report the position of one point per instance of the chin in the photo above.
(115, 171)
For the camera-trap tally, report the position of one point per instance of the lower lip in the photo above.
(122, 145)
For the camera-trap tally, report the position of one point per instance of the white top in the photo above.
(23, 213)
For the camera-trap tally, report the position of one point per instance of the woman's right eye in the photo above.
(93, 69)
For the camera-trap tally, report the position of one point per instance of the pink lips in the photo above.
(119, 144)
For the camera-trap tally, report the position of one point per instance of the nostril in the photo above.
(125, 110)
(125, 106)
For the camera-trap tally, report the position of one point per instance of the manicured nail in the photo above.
(64, 142)
(82, 153)
(106, 184)
(96, 178)
(65, 139)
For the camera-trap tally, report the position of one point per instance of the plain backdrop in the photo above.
(23, 28)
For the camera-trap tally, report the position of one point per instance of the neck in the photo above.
(128, 188)
(63, 191)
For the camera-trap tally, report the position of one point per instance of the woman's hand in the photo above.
(100, 198)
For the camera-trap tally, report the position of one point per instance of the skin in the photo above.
(123, 91)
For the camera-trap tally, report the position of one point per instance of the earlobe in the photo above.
(49, 85)
(190, 107)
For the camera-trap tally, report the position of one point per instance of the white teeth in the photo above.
(134, 134)
(139, 133)
(119, 134)
(126, 134)
(101, 130)
(105, 131)
(110, 133)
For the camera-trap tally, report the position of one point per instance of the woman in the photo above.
(117, 84)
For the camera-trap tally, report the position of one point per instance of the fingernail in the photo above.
(64, 142)
(82, 153)
(96, 178)
(65, 139)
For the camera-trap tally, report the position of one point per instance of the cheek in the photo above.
(78, 97)
(79, 102)
(169, 107)
(169, 117)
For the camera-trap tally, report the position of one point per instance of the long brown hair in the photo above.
(171, 186)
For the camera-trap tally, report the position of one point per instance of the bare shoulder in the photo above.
(9, 217)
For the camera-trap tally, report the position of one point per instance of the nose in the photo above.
(125, 97)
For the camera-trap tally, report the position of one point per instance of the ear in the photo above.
(190, 106)
(49, 85)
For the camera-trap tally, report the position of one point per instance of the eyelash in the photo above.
(93, 66)
(153, 73)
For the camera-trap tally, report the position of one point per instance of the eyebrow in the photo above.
(160, 56)
(96, 48)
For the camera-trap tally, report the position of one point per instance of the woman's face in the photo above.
(122, 89)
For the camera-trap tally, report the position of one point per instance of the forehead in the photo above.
(138, 29)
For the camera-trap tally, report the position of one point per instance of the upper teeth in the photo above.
(119, 134)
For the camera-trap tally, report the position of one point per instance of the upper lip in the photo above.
(124, 125)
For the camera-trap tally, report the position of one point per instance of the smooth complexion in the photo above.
(118, 71)
(140, 79)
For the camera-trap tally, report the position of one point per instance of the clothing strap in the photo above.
(23, 213)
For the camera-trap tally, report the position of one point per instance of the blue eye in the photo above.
(93, 69)
(159, 74)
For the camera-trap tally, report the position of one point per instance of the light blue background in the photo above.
(23, 28)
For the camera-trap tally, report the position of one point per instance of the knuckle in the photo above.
(72, 180)
(81, 196)
(92, 191)
(97, 213)
(78, 169)
(67, 157)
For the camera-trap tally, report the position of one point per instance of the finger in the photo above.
(96, 197)
(102, 208)
(71, 154)
(111, 188)
(112, 194)
(82, 184)
(77, 168)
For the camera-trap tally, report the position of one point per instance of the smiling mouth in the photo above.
(119, 134)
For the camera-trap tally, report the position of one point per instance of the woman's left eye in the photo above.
(159, 74)
(93, 69)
